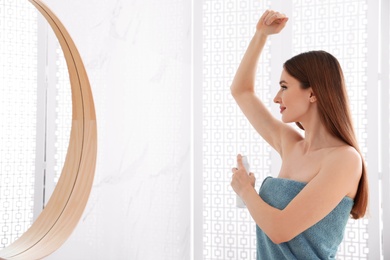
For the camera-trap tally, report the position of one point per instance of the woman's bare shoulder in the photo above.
(345, 152)
(343, 157)
(344, 164)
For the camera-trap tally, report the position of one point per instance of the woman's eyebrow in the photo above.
(282, 82)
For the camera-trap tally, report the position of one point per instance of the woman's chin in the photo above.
(286, 120)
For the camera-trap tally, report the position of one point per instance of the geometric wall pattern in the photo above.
(21, 122)
(18, 107)
(228, 231)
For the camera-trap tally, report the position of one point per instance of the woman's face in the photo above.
(294, 101)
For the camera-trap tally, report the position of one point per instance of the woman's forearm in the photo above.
(244, 80)
(266, 217)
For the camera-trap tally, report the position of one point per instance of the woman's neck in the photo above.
(318, 137)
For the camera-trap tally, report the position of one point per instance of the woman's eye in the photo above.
(283, 87)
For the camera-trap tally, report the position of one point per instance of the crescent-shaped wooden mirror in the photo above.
(69, 198)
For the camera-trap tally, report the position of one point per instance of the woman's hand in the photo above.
(241, 180)
(271, 22)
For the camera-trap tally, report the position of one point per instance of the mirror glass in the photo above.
(35, 116)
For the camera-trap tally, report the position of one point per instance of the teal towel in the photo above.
(320, 241)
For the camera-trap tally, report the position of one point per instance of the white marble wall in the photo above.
(137, 54)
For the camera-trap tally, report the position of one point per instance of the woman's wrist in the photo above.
(247, 193)
(261, 36)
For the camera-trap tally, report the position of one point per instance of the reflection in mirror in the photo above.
(35, 116)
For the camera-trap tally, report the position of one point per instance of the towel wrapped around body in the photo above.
(320, 241)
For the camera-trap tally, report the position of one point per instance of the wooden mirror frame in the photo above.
(67, 203)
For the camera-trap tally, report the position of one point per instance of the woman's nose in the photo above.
(277, 98)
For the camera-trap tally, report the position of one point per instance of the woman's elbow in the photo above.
(280, 236)
(234, 91)
(237, 92)
(277, 239)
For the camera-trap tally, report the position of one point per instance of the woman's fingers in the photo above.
(267, 18)
(263, 17)
(271, 22)
(272, 16)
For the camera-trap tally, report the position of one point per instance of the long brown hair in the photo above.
(322, 72)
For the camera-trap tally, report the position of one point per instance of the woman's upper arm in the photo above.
(274, 132)
(322, 194)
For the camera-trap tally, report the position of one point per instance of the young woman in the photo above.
(302, 214)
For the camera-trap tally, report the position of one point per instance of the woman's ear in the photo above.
(312, 98)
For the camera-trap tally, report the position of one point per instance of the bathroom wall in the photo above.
(137, 55)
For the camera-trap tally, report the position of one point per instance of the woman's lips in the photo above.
(282, 109)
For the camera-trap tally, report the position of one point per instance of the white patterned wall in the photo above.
(18, 108)
(36, 114)
(229, 232)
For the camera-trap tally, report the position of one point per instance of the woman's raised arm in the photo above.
(243, 84)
